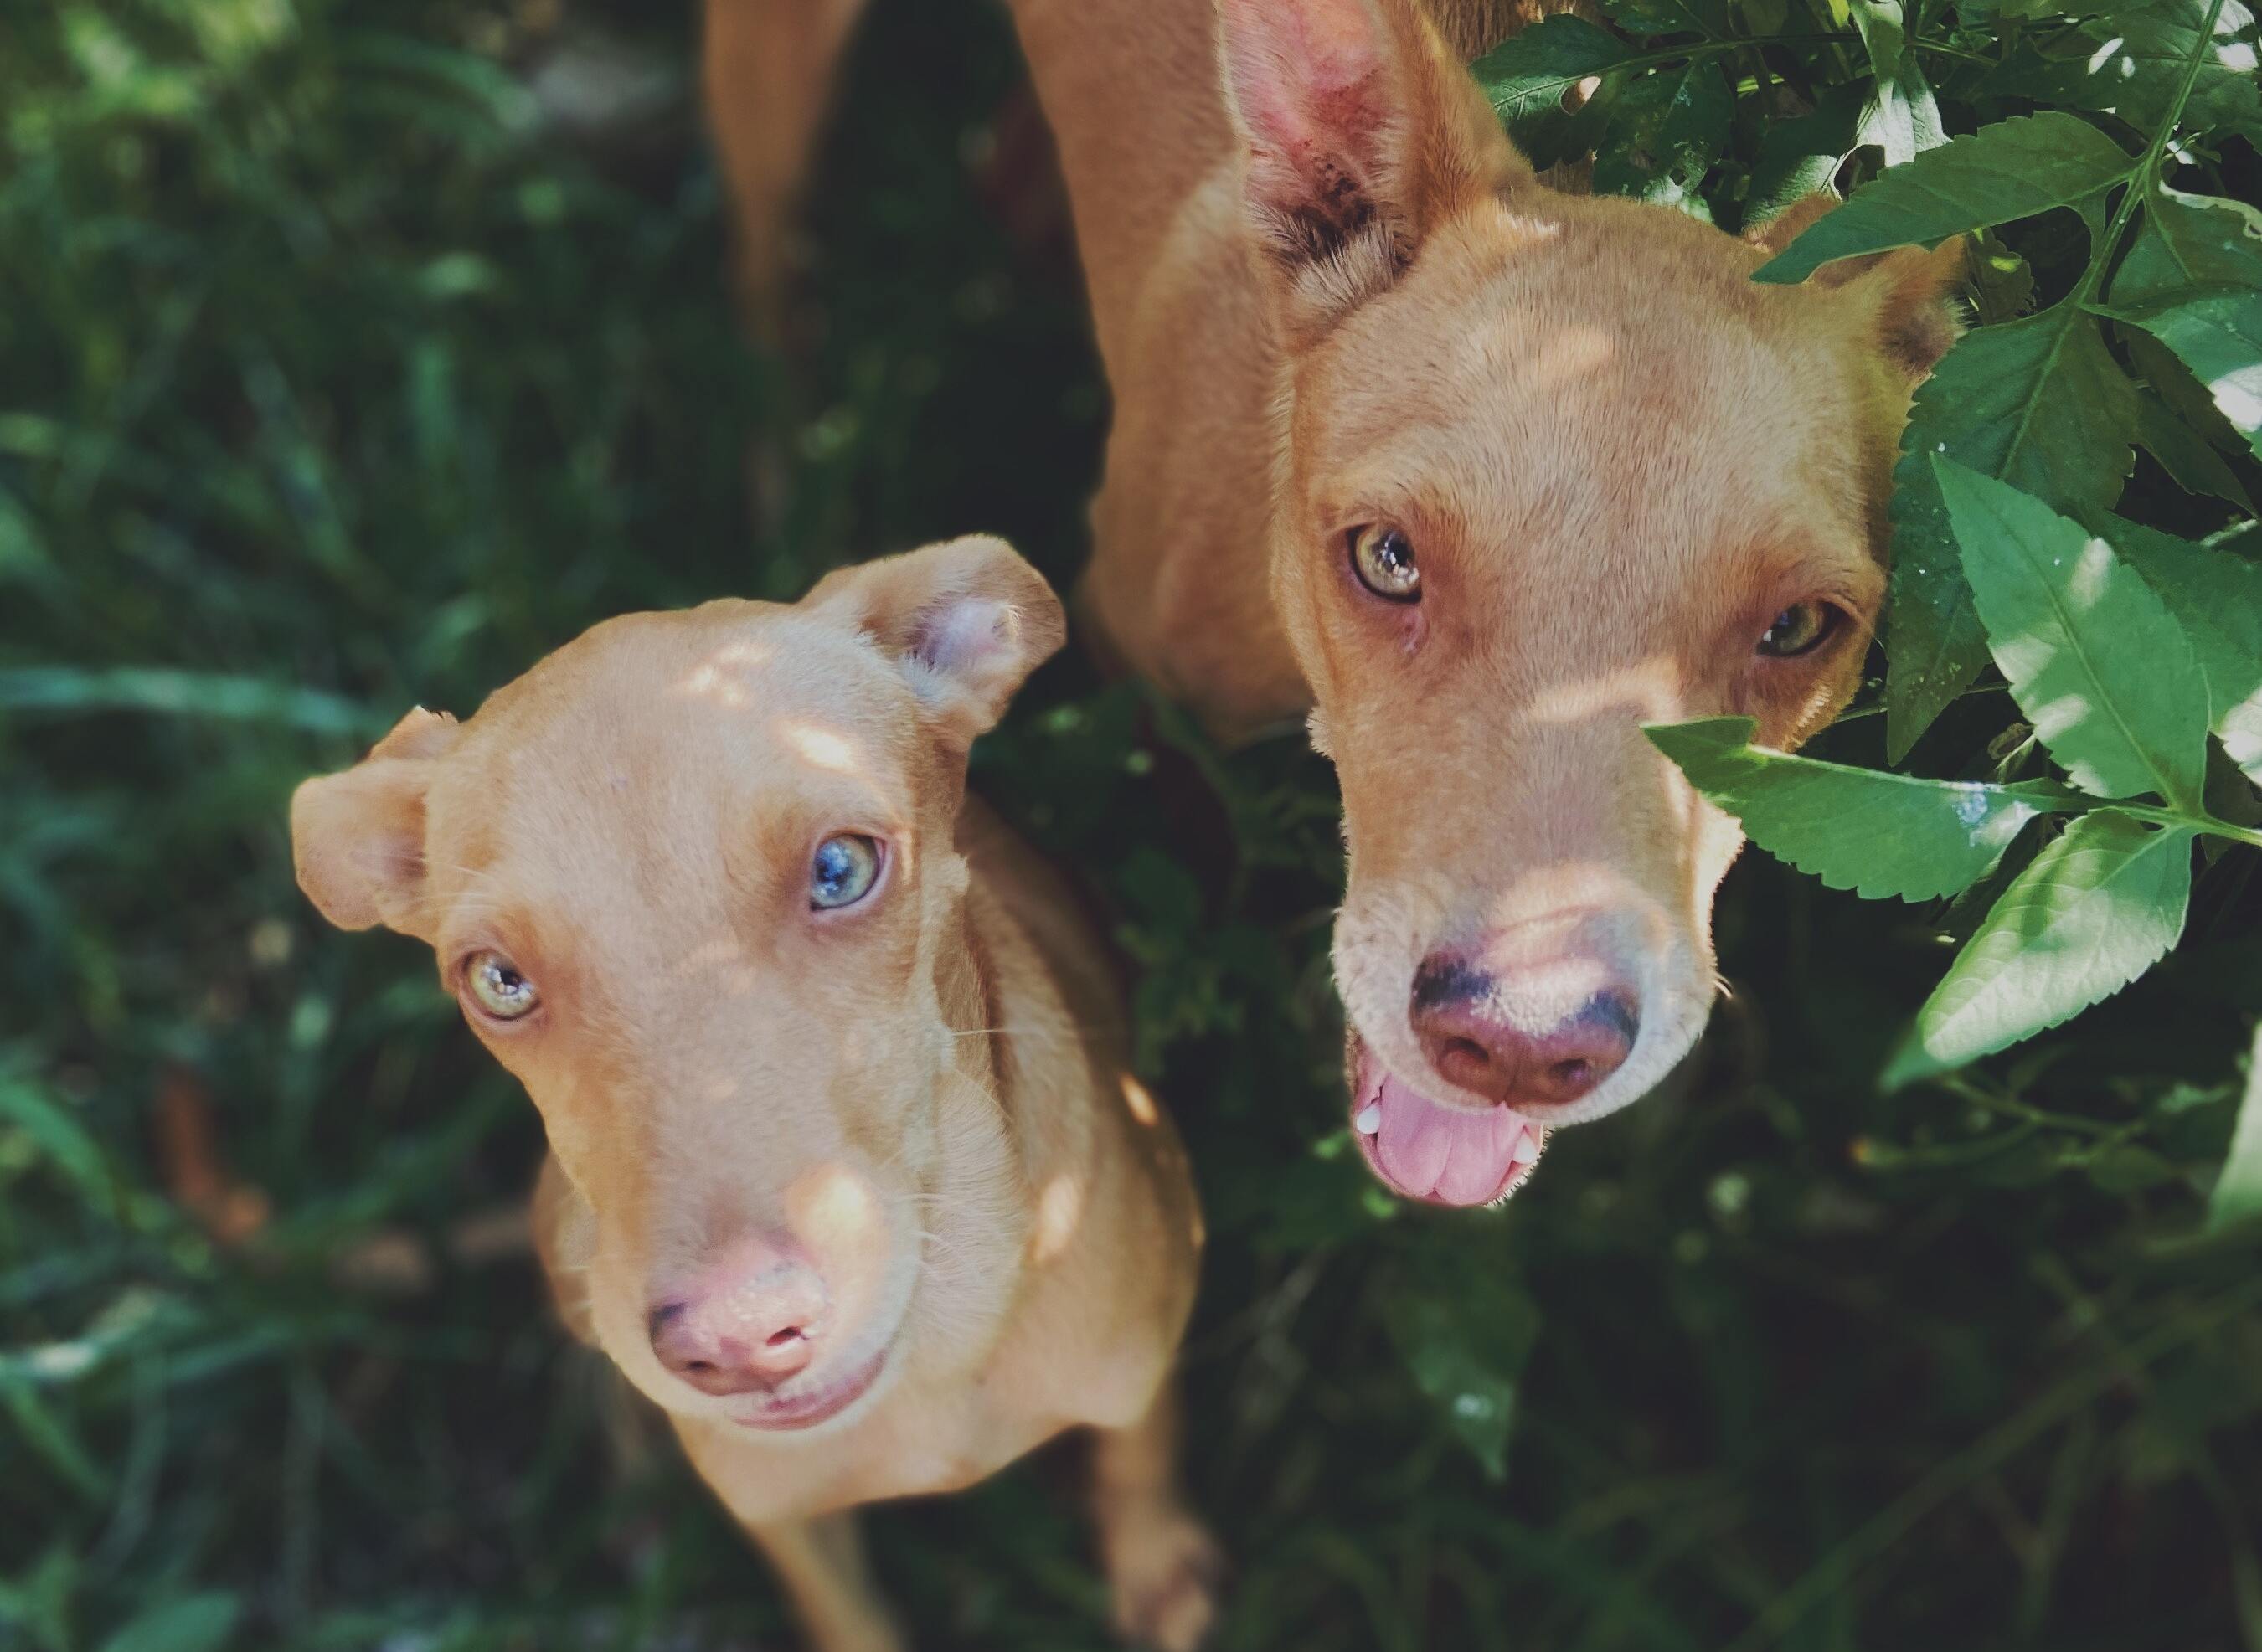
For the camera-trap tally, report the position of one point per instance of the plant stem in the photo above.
(2205, 824)
(2138, 174)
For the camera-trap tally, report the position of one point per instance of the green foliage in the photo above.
(2018, 448)
(1876, 833)
(347, 369)
(2100, 906)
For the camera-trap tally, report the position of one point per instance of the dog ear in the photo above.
(1908, 293)
(357, 838)
(966, 621)
(1361, 134)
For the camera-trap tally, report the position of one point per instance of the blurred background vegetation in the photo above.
(353, 354)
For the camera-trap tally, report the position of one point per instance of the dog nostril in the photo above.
(1573, 1071)
(791, 1333)
(699, 1367)
(1469, 1049)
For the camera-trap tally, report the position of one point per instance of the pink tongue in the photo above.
(1447, 1153)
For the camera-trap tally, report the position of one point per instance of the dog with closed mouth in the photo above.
(848, 1172)
(1477, 477)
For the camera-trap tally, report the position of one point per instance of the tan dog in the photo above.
(1482, 476)
(847, 1171)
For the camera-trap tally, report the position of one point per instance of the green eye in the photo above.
(1383, 559)
(843, 871)
(498, 988)
(1800, 628)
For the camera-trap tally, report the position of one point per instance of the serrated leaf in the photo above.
(2239, 1190)
(1527, 74)
(2217, 599)
(2038, 403)
(1869, 830)
(2099, 907)
(2093, 656)
(2216, 332)
(2010, 171)
(1664, 134)
(2132, 61)
(2186, 240)
(2180, 425)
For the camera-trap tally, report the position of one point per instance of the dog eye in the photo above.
(843, 871)
(498, 988)
(1383, 559)
(1801, 629)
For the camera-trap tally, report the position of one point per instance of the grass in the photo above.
(335, 377)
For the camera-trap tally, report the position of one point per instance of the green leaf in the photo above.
(1876, 833)
(2091, 655)
(1468, 1362)
(2239, 1190)
(2099, 907)
(1904, 117)
(66, 1142)
(1527, 74)
(2012, 170)
(66, 688)
(2164, 426)
(1664, 132)
(195, 1623)
(1798, 157)
(2218, 334)
(2038, 403)
(2184, 241)
(1707, 18)
(2132, 61)
(2217, 599)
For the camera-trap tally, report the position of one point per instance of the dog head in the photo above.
(1548, 468)
(692, 879)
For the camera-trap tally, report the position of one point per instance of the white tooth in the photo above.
(1370, 1119)
(1526, 1150)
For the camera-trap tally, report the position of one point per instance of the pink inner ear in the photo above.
(962, 636)
(1307, 78)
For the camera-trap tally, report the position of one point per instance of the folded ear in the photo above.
(966, 621)
(357, 838)
(1363, 133)
(1908, 294)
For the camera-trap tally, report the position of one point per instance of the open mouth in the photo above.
(1437, 1152)
(807, 1408)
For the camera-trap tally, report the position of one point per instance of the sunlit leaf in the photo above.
(1903, 118)
(1529, 73)
(2010, 171)
(2091, 655)
(2101, 905)
(2186, 242)
(1873, 832)
(2132, 61)
(2038, 403)
(2218, 334)
(2239, 1191)
(2217, 599)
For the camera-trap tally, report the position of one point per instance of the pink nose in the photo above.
(1497, 1038)
(748, 1320)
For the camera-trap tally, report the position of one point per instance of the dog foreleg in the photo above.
(821, 1564)
(1162, 1566)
